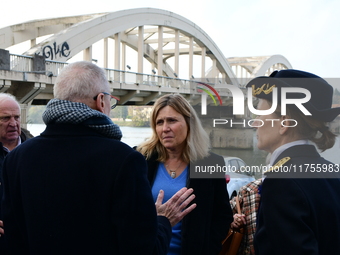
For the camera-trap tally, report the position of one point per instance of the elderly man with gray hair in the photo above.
(11, 135)
(76, 188)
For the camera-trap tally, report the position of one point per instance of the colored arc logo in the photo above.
(209, 93)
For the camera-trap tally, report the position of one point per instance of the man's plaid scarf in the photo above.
(63, 111)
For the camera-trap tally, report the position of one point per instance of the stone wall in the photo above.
(232, 138)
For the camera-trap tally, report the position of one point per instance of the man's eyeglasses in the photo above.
(114, 100)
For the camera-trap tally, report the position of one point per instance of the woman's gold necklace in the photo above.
(173, 172)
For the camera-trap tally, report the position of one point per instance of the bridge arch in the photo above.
(72, 35)
(267, 66)
(155, 35)
(246, 68)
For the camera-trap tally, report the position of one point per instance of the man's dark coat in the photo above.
(74, 191)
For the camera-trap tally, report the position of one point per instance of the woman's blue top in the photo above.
(163, 181)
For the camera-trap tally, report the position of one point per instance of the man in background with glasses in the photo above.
(76, 189)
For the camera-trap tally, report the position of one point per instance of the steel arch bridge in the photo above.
(168, 50)
(156, 35)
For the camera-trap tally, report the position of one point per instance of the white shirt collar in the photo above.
(284, 147)
(19, 142)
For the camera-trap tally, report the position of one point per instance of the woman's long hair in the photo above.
(197, 142)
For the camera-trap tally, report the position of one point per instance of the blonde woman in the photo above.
(179, 143)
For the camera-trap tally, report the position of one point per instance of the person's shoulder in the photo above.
(26, 146)
(215, 156)
(218, 159)
(120, 147)
(126, 149)
(211, 159)
(253, 185)
(25, 134)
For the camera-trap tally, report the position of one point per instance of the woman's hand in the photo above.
(176, 207)
(239, 220)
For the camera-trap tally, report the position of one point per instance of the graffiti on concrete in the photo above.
(57, 51)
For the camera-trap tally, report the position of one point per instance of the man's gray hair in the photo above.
(80, 81)
(6, 96)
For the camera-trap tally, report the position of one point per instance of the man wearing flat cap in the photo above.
(299, 210)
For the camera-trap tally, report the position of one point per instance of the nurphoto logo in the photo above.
(238, 99)
(238, 103)
(204, 96)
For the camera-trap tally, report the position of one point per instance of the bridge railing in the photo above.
(128, 77)
(54, 67)
(23, 63)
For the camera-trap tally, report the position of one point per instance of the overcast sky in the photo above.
(306, 32)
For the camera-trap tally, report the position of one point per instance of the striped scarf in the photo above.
(63, 111)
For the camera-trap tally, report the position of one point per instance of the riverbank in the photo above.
(123, 123)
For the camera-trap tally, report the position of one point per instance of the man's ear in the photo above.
(100, 104)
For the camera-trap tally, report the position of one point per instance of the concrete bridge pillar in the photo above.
(87, 54)
(39, 64)
(24, 114)
(4, 60)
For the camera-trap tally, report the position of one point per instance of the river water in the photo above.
(135, 135)
(131, 135)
